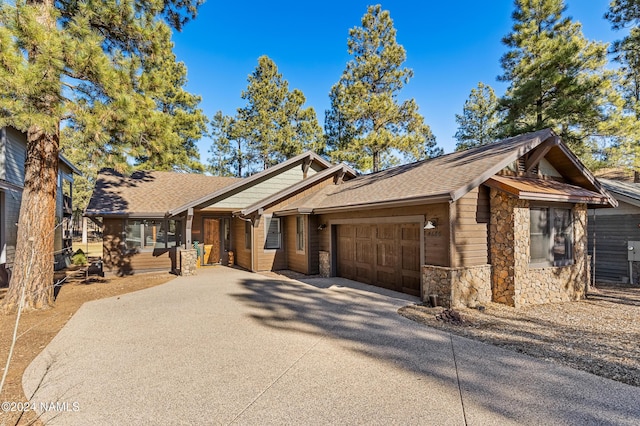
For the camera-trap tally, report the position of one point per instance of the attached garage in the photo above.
(385, 255)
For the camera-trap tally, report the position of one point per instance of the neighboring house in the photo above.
(504, 222)
(13, 152)
(616, 233)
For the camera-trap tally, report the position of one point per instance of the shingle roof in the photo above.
(627, 189)
(150, 193)
(447, 177)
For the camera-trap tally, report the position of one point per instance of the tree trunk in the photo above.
(376, 161)
(33, 265)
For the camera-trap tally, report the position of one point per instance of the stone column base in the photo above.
(457, 287)
(188, 262)
(325, 264)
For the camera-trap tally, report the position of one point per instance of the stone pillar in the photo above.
(188, 260)
(325, 264)
(502, 247)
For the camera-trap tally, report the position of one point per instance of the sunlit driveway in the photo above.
(229, 346)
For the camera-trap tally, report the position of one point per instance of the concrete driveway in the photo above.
(231, 347)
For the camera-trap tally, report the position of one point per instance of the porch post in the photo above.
(188, 230)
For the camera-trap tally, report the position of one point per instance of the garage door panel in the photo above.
(385, 255)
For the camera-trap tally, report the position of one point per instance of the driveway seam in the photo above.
(277, 379)
(455, 364)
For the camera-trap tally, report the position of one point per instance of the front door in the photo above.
(211, 241)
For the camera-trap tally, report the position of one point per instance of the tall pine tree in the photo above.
(556, 76)
(274, 122)
(365, 116)
(478, 124)
(626, 148)
(82, 63)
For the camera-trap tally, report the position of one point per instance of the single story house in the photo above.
(614, 235)
(13, 152)
(503, 222)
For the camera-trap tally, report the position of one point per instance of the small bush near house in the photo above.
(79, 258)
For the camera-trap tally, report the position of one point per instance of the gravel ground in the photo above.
(599, 335)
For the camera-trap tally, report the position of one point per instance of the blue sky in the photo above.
(451, 46)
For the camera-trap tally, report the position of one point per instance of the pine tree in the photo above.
(274, 123)
(556, 76)
(365, 116)
(626, 147)
(84, 64)
(228, 150)
(480, 118)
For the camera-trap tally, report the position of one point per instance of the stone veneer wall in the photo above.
(325, 263)
(188, 261)
(514, 282)
(457, 287)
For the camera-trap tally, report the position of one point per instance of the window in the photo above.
(149, 234)
(226, 227)
(272, 232)
(247, 235)
(551, 236)
(300, 233)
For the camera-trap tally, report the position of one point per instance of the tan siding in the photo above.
(269, 259)
(297, 261)
(242, 254)
(313, 237)
(263, 189)
(470, 229)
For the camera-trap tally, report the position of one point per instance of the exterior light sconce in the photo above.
(321, 227)
(431, 224)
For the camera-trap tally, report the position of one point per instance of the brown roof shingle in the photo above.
(150, 193)
(446, 177)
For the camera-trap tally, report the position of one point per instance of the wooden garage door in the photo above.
(385, 255)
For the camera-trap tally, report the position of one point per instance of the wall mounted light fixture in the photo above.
(321, 227)
(431, 224)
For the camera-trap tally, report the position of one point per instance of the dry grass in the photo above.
(38, 328)
(599, 335)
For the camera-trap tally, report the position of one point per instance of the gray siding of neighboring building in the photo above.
(612, 229)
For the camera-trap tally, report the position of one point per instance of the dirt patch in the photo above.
(599, 335)
(38, 328)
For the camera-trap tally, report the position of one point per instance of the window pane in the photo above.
(539, 234)
(247, 235)
(299, 232)
(272, 226)
(563, 237)
(133, 234)
(174, 233)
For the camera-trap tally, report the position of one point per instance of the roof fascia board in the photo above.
(626, 199)
(522, 150)
(539, 152)
(587, 174)
(433, 199)
(246, 182)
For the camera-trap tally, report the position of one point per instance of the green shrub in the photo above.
(79, 258)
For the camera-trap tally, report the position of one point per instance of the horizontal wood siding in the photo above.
(262, 190)
(313, 237)
(269, 259)
(10, 217)
(470, 228)
(242, 254)
(15, 154)
(296, 261)
(126, 262)
(612, 236)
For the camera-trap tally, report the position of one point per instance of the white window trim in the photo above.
(267, 224)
